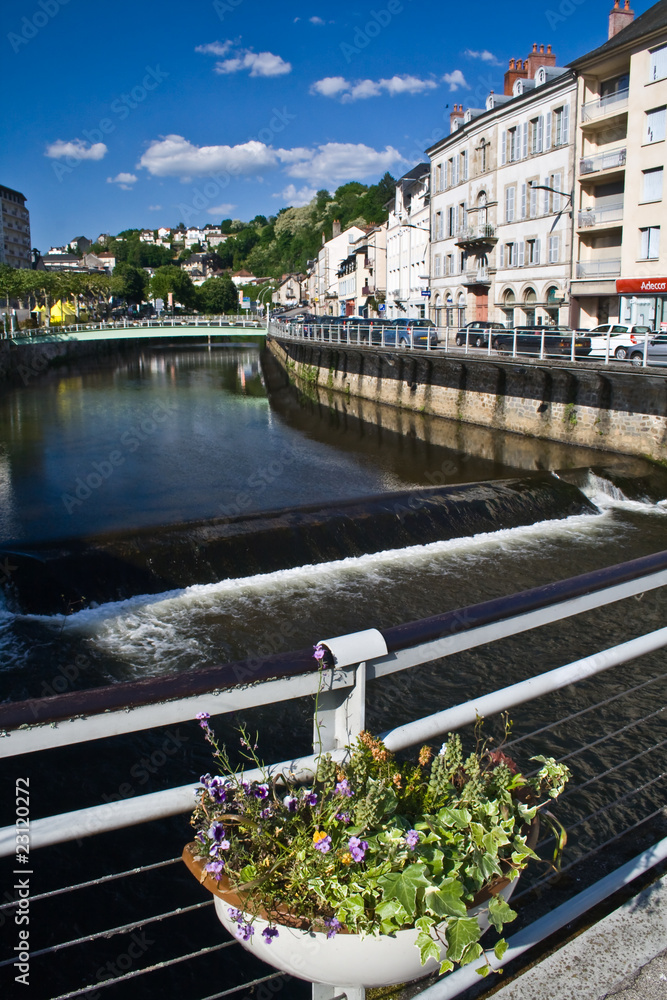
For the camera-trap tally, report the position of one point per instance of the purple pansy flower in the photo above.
(412, 839)
(290, 803)
(215, 869)
(334, 926)
(343, 788)
(322, 842)
(344, 818)
(202, 718)
(217, 789)
(310, 798)
(261, 791)
(358, 848)
(269, 933)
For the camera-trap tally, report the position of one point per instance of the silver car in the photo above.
(657, 352)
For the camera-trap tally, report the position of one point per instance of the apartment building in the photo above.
(408, 245)
(330, 297)
(501, 186)
(620, 267)
(15, 243)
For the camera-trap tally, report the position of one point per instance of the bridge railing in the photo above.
(167, 322)
(611, 734)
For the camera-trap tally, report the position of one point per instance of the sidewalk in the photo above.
(622, 956)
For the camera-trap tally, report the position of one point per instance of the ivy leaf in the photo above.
(472, 952)
(392, 915)
(461, 932)
(353, 908)
(500, 948)
(403, 886)
(434, 857)
(445, 900)
(500, 913)
(483, 971)
(446, 966)
(458, 818)
(488, 866)
(478, 832)
(428, 948)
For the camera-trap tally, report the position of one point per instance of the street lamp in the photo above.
(260, 299)
(563, 194)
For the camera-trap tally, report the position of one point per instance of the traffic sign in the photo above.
(426, 292)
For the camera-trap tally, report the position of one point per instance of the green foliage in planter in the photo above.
(375, 845)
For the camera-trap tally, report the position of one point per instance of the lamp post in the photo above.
(260, 299)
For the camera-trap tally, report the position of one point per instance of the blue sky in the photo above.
(138, 114)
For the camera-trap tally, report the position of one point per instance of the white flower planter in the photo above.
(346, 959)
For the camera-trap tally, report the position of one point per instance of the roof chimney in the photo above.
(619, 17)
(336, 228)
(456, 114)
(537, 59)
(517, 71)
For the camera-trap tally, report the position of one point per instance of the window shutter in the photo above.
(557, 183)
(465, 165)
(540, 131)
(502, 255)
(565, 125)
(655, 125)
(503, 148)
(533, 202)
(524, 144)
(653, 184)
(537, 251)
(512, 194)
(659, 64)
(455, 179)
(522, 253)
(546, 197)
(547, 139)
(464, 220)
(523, 201)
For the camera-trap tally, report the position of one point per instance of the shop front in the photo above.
(643, 301)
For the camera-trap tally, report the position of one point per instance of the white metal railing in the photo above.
(342, 715)
(601, 106)
(598, 216)
(477, 275)
(602, 161)
(169, 322)
(599, 268)
(484, 231)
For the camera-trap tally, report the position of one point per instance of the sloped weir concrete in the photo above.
(59, 577)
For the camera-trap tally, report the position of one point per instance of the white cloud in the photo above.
(341, 161)
(123, 180)
(259, 64)
(316, 20)
(155, 208)
(347, 90)
(296, 198)
(456, 80)
(174, 156)
(330, 86)
(484, 55)
(220, 209)
(77, 149)
(214, 48)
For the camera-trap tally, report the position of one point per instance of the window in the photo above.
(450, 172)
(650, 243)
(464, 164)
(523, 201)
(561, 126)
(438, 265)
(655, 125)
(483, 157)
(508, 255)
(554, 249)
(658, 69)
(455, 170)
(533, 199)
(451, 221)
(532, 251)
(555, 181)
(513, 144)
(524, 141)
(652, 185)
(510, 194)
(437, 226)
(449, 264)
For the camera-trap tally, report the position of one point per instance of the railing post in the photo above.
(514, 343)
(323, 992)
(342, 714)
(542, 344)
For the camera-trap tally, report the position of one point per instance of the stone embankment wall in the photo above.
(622, 410)
(22, 363)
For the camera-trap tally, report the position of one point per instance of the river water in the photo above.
(167, 436)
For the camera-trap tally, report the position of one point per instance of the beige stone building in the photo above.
(15, 244)
(620, 261)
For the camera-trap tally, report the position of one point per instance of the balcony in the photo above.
(599, 268)
(477, 238)
(476, 276)
(368, 289)
(592, 217)
(602, 107)
(605, 161)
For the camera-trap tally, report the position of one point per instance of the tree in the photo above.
(172, 279)
(130, 283)
(218, 295)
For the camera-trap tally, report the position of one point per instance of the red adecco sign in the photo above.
(650, 286)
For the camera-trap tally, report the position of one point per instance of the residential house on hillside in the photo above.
(81, 244)
(243, 277)
(620, 253)
(500, 184)
(100, 262)
(147, 236)
(201, 266)
(291, 291)
(164, 232)
(408, 245)
(214, 236)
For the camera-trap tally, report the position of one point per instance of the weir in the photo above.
(55, 577)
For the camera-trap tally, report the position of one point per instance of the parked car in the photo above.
(405, 331)
(557, 341)
(622, 338)
(476, 333)
(657, 351)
